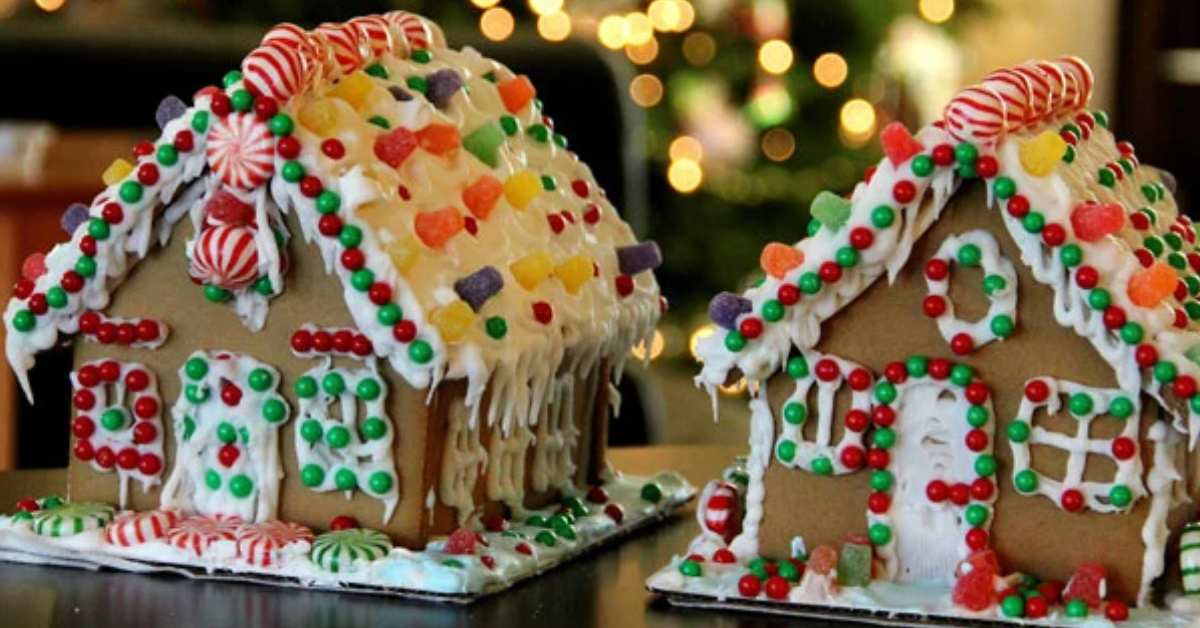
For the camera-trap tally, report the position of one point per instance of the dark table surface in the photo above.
(603, 588)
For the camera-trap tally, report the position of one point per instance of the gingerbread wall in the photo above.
(886, 323)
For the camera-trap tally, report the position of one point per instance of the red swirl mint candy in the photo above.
(636, 258)
(76, 214)
(441, 86)
(726, 307)
(170, 108)
(479, 286)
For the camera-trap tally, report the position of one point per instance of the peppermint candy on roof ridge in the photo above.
(415, 31)
(225, 256)
(240, 150)
(274, 70)
(374, 33)
(344, 42)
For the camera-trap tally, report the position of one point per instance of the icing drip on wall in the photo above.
(1163, 480)
(463, 458)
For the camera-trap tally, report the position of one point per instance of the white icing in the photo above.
(1003, 302)
(821, 445)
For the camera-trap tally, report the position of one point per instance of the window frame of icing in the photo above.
(807, 452)
(992, 263)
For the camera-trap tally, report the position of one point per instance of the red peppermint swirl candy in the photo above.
(301, 41)
(274, 70)
(135, 528)
(344, 41)
(225, 256)
(258, 544)
(414, 31)
(240, 150)
(196, 533)
(373, 32)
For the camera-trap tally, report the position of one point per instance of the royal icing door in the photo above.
(929, 449)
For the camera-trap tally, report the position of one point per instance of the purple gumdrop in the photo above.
(170, 108)
(1169, 181)
(75, 215)
(726, 307)
(636, 258)
(479, 286)
(441, 86)
(399, 93)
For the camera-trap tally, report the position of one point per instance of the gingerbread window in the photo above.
(1081, 447)
(808, 439)
(979, 249)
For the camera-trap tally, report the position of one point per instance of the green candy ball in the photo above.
(651, 492)
(374, 428)
(226, 432)
(496, 327)
(420, 352)
(1080, 404)
(795, 412)
(797, 367)
(241, 486)
(880, 534)
(735, 341)
(368, 389)
(1013, 606)
(822, 466)
(311, 431)
(274, 410)
(260, 379)
(380, 482)
(212, 480)
(306, 387)
(1018, 431)
(196, 368)
(337, 437)
(312, 475)
(786, 450)
(345, 480)
(1026, 481)
(333, 384)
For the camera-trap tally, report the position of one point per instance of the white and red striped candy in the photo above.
(413, 30)
(135, 528)
(373, 32)
(721, 511)
(300, 40)
(1018, 97)
(344, 42)
(274, 70)
(259, 543)
(225, 256)
(196, 533)
(240, 150)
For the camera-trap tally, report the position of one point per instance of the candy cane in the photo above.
(415, 31)
(1022, 96)
(135, 528)
(259, 543)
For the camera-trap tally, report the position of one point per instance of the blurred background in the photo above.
(711, 123)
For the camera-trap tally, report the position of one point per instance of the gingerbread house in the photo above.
(362, 285)
(982, 360)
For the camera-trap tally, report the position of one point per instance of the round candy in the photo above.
(226, 257)
(197, 533)
(135, 528)
(259, 544)
(71, 519)
(274, 69)
(344, 551)
(240, 150)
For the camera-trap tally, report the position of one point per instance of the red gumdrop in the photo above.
(823, 559)
(976, 589)
(394, 147)
(1092, 221)
(1087, 584)
(898, 143)
(227, 209)
(461, 541)
(434, 228)
(34, 266)
(481, 196)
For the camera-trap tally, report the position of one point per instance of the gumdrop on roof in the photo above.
(468, 238)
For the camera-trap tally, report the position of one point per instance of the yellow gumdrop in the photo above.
(354, 89)
(532, 269)
(404, 252)
(521, 188)
(117, 170)
(321, 117)
(574, 272)
(453, 320)
(1041, 155)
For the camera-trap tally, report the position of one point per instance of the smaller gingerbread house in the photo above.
(977, 374)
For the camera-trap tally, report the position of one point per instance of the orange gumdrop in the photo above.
(481, 196)
(777, 259)
(436, 227)
(822, 560)
(516, 92)
(439, 139)
(1149, 286)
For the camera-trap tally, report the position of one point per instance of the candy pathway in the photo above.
(457, 569)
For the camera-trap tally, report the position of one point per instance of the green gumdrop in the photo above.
(830, 209)
(854, 565)
(485, 142)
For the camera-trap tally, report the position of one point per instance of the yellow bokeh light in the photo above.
(685, 175)
(545, 7)
(657, 344)
(775, 56)
(687, 15)
(698, 334)
(857, 117)
(644, 53)
(778, 144)
(830, 70)
(611, 32)
(50, 6)
(936, 11)
(699, 48)
(485, 4)
(686, 147)
(665, 15)
(646, 90)
(496, 24)
(638, 29)
(554, 26)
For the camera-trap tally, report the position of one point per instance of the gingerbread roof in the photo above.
(1090, 221)
(467, 237)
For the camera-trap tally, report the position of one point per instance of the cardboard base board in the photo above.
(437, 581)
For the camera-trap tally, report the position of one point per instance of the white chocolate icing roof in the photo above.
(347, 82)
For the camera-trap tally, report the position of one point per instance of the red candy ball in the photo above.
(853, 457)
(148, 330)
(128, 458)
(1017, 206)
(329, 225)
(857, 420)
(879, 502)
(1146, 355)
(904, 192)
(977, 392)
(986, 166)
(976, 440)
(542, 312)
(404, 331)
(895, 372)
(227, 455)
(878, 458)
(1053, 234)
(750, 327)
(104, 456)
(231, 395)
(184, 142)
(311, 186)
(83, 450)
(265, 107)
(937, 491)
(830, 272)
(982, 489)
(1072, 500)
(933, 306)
(288, 147)
(1123, 448)
(937, 269)
(749, 586)
(962, 344)
(333, 148)
(1037, 391)
(362, 346)
(1086, 277)
(1036, 606)
(144, 432)
(788, 294)
(147, 174)
(960, 494)
(883, 416)
(84, 399)
(83, 427)
(943, 154)
(112, 213)
(343, 340)
(977, 538)
(1114, 317)
(145, 407)
(623, 285)
(724, 556)
(859, 379)
(861, 237)
(343, 522)
(1116, 610)
(778, 588)
(110, 371)
(1184, 386)
(150, 464)
(826, 370)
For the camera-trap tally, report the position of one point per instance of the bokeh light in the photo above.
(554, 26)
(936, 11)
(857, 121)
(545, 7)
(830, 70)
(496, 24)
(638, 29)
(778, 144)
(685, 147)
(644, 53)
(50, 6)
(699, 48)
(611, 32)
(685, 175)
(687, 15)
(485, 4)
(775, 56)
(665, 15)
(646, 90)
(657, 344)
(770, 104)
